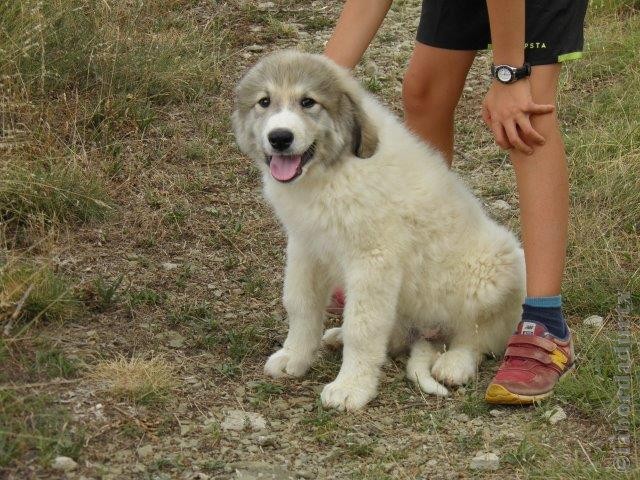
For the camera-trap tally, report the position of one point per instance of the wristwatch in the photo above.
(509, 74)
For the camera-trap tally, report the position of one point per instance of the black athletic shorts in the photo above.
(553, 28)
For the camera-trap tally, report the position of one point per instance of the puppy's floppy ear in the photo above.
(240, 131)
(365, 134)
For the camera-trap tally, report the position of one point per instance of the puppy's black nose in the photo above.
(280, 138)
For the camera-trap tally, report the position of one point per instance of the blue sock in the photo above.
(548, 312)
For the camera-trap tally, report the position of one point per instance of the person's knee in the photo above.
(416, 93)
(546, 123)
(421, 93)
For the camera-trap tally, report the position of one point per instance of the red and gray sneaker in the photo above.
(533, 363)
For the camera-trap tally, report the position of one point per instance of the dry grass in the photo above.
(135, 379)
(126, 103)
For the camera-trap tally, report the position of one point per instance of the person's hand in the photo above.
(507, 109)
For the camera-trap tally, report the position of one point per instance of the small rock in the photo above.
(495, 413)
(555, 415)
(255, 48)
(265, 440)
(468, 89)
(169, 265)
(462, 417)
(595, 321)
(371, 69)
(175, 340)
(65, 464)
(260, 470)
(485, 461)
(196, 476)
(500, 205)
(185, 428)
(433, 462)
(240, 420)
(379, 450)
(145, 452)
(265, 6)
(388, 421)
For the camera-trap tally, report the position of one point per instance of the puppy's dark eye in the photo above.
(307, 102)
(264, 102)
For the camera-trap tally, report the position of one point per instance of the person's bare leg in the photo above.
(543, 188)
(431, 89)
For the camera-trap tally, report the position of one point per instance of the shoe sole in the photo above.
(499, 395)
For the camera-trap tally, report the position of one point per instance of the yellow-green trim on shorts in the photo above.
(569, 56)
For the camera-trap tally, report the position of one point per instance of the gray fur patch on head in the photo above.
(339, 125)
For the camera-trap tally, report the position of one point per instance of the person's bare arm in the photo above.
(357, 25)
(507, 108)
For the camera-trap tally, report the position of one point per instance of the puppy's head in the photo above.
(295, 110)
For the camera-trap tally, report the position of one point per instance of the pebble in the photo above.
(595, 321)
(265, 5)
(185, 428)
(555, 415)
(260, 470)
(169, 265)
(196, 476)
(462, 417)
(265, 440)
(500, 205)
(239, 420)
(485, 461)
(65, 464)
(495, 413)
(175, 339)
(255, 48)
(145, 452)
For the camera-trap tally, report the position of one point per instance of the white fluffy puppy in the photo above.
(368, 206)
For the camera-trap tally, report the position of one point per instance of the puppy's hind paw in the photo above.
(285, 362)
(427, 383)
(332, 338)
(455, 367)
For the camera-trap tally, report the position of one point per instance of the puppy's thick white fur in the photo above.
(413, 249)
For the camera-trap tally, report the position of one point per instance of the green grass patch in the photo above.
(31, 292)
(263, 391)
(53, 363)
(35, 424)
(599, 103)
(595, 388)
(152, 50)
(50, 191)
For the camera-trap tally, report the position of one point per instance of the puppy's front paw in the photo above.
(286, 362)
(349, 393)
(455, 367)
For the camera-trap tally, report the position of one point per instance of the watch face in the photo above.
(504, 74)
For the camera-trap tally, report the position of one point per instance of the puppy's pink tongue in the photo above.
(285, 167)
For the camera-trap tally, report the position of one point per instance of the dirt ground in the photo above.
(202, 254)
